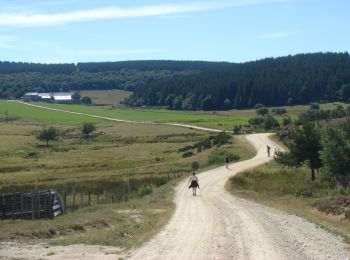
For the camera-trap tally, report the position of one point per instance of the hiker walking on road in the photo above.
(268, 150)
(227, 160)
(194, 183)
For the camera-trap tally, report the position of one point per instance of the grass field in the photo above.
(217, 119)
(220, 120)
(292, 191)
(111, 97)
(118, 153)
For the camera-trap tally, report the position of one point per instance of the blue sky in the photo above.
(222, 30)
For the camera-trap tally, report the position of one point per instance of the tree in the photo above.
(286, 121)
(258, 105)
(338, 112)
(76, 97)
(48, 134)
(87, 129)
(86, 101)
(279, 111)
(345, 92)
(195, 166)
(315, 106)
(262, 111)
(270, 122)
(227, 104)
(335, 152)
(304, 147)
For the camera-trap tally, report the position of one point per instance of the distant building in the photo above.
(58, 97)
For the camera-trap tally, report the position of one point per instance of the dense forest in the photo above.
(17, 78)
(193, 85)
(289, 80)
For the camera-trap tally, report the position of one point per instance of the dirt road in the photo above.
(214, 225)
(217, 225)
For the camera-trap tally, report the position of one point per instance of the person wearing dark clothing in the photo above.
(194, 184)
(268, 150)
(227, 160)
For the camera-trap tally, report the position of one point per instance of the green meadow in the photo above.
(220, 120)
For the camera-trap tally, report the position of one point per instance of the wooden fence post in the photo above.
(39, 213)
(32, 206)
(73, 199)
(81, 200)
(65, 201)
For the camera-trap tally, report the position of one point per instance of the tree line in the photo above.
(14, 85)
(289, 80)
(17, 78)
(142, 65)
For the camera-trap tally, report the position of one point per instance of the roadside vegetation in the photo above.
(312, 177)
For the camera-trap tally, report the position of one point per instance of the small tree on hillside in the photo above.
(76, 97)
(279, 111)
(195, 166)
(304, 146)
(315, 106)
(86, 100)
(262, 111)
(48, 134)
(87, 129)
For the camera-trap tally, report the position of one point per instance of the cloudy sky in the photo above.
(221, 30)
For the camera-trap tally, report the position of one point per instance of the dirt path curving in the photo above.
(217, 225)
(213, 225)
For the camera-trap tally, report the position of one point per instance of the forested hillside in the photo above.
(193, 85)
(16, 78)
(287, 80)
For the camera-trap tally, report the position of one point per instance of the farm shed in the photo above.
(57, 97)
(30, 205)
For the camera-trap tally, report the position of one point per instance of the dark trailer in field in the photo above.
(30, 205)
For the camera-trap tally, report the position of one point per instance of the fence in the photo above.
(30, 205)
(51, 203)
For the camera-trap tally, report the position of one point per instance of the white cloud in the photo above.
(7, 40)
(276, 35)
(40, 19)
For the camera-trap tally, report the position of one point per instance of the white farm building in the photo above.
(59, 97)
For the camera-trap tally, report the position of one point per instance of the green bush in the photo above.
(145, 191)
(187, 154)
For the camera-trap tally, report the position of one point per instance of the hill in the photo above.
(16, 78)
(289, 80)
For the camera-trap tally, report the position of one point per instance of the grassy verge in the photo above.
(292, 191)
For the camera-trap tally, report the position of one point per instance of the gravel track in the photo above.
(217, 225)
(213, 225)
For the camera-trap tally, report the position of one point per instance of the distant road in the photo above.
(118, 120)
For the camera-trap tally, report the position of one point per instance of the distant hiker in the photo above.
(268, 150)
(194, 183)
(227, 160)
